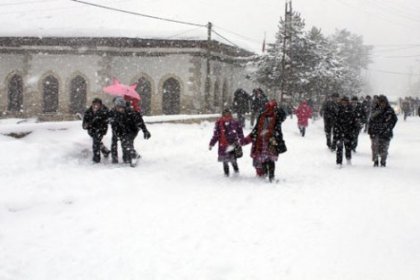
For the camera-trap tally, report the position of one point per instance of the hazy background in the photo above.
(391, 26)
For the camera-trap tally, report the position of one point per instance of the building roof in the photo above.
(121, 42)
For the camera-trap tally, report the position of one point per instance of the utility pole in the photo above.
(287, 39)
(207, 82)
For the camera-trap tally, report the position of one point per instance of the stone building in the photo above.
(56, 78)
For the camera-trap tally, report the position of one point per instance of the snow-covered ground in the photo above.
(175, 216)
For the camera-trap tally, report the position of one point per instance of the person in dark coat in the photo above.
(240, 105)
(258, 100)
(367, 107)
(228, 133)
(344, 128)
(361, 119)
(329, 111)
(381, 124)
(267, 140)
(95, 121)
(126, 123)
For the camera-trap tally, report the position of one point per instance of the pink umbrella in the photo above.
(118, 89)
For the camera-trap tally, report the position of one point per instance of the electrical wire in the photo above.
(224, 38)
(138, 14)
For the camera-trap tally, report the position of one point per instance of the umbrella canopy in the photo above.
(118, 89)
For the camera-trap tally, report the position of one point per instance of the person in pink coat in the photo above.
(303, 113)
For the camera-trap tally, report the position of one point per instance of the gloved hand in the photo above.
(146, 134)
(210, 147)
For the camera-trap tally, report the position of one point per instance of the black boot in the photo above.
(375, 163)
(226, 169)
(235, 167)
(383, 163)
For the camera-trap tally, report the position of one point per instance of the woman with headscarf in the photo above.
(267, 140)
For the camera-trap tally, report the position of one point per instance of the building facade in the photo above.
(56, 78)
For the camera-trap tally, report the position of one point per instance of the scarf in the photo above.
(222, 128)
(265, 128)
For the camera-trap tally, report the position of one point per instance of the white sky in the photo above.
(389, 25)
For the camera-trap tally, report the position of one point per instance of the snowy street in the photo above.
(175, 215)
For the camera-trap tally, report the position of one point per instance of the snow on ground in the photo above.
(175, 216)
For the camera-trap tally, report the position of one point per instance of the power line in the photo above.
(224, 38)
(182, 33)
(138, 14)
(239, 35)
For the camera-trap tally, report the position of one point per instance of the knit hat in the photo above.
(120, 102)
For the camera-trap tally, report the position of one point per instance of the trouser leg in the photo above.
(375, 148)
(128, 150)
(105, 151)
(355, 139)
(339, 158)
(96, 148)
(271, 166)
(235, 166)
(348, 147)
(383, 150)
(327, 130)
(226, 168)
(114, 148)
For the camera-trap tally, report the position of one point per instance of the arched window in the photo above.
(78, 88)
(216, 99)
(50, 94)
(171, 97)
(15, 94)
(144, 88)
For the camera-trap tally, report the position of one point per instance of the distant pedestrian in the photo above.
(126, 123)
(381, 124)
(344, 128)
(267, 140)
(367, 107)
(303, 113)
(258, 100)
(240, 105)
(228, 133)
(95, 121)
(329, 111)
(360, 118)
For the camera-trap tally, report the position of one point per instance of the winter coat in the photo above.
(96, 123)
(228, 133)
(329, 111)
(127, 123)
(303, 113)
(258, 101)
(345, 124)
(266, 136)
(360, 114)
(240, 101)
(382, 122)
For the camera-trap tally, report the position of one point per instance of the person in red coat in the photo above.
(303, 113)
(267, 140)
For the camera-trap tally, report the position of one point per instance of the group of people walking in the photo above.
(345, 119)
(126, 121)
(266, 138)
